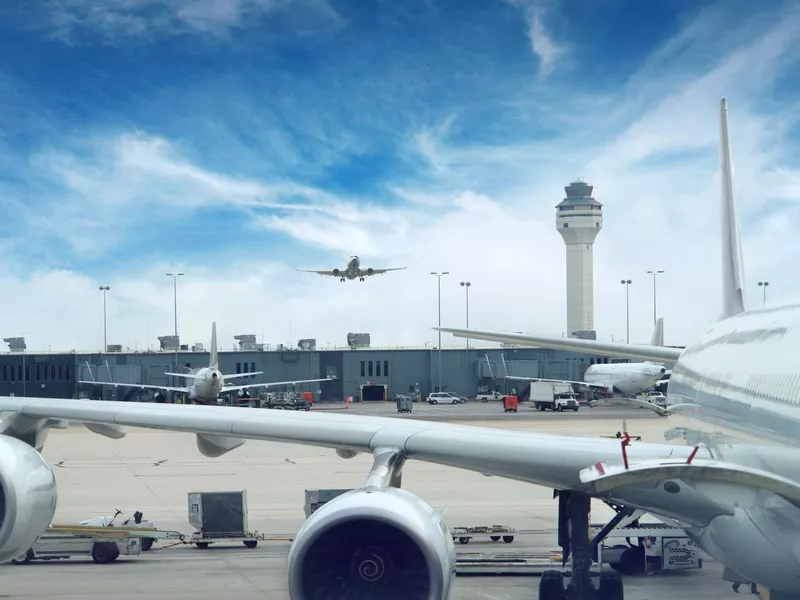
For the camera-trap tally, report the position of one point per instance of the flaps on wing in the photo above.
(115, 432)
(691, 491)
(214, 446)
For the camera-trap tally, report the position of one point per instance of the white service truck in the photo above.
(552, 395)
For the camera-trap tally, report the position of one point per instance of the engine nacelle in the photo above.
(365, 544)
(27, 497)
(369, 271)
(336, 271)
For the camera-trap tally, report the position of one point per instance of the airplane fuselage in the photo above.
(353, 270)
(207, 385)
(743, 379)
(628, 378)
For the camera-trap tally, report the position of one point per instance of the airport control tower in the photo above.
(579, 219)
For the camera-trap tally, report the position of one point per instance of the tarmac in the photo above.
(153, 472)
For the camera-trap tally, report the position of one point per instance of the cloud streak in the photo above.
(473, 195)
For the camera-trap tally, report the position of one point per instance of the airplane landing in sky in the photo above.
(352, 271)
(208, 383)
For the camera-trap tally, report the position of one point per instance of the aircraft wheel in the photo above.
(508, 539)
(610, 586)
(494, 538)
(23, 559)
(147, 543)
(250, 543)
(551, 586)
(463, 540)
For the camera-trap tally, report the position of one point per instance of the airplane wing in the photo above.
(594, 465)
(230, 388)
(329, 273)
(368, 272)
(586, 383)
(656, 353)
(544, 459)
(182, 390)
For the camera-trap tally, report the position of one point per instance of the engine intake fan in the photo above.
(372, 545)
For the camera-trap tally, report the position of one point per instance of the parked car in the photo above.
(444, 398)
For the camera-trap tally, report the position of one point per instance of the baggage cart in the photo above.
(492, 532)
(510, 404)
(405, 404)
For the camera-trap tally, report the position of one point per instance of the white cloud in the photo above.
(484, 213)
(546, 49)
(118, 19)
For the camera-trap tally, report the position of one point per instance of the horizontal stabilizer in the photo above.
(186, 375)
(239, 375)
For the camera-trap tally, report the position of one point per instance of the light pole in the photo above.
(465, 285)
(627, 283)
(175, 308)
(654, 274)
(764, 284)
(104, 289)
(439, 278)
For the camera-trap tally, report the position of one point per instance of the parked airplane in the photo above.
(628, 378)
(738, 500)
(207, 383)
(353, 270)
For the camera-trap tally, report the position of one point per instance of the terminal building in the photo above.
(360, 373)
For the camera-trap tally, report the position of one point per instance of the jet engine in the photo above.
(27, 497)
(373, 543)
(369, 271)
(336, 271)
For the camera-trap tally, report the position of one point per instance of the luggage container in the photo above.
(405, 404)
(510, 404)
(219, 514)
(316, 499)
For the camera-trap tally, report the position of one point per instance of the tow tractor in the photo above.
(100, 538)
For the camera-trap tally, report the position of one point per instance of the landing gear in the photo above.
(342, 279)
(573, 537)
(361, 279)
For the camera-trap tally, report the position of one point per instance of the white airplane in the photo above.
(207, 383)
(626, 378)
(353, 270)
(738, 499)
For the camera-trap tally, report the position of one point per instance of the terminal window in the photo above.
(363, 374)
(60, 372)
(252, 368)
(377, 368)
(385, 368)
(5, 373)
(370, 368)
(66, 372)
(53, 372)
(238, 368)
(19, 373)
(27, 373)
(38, 372)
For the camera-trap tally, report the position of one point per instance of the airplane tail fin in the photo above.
(733, 296)
(658, 333)
(213, 362)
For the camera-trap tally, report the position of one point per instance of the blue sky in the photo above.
(237, 140)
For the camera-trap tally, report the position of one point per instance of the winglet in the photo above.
(733, 297)
(213, 362)
(658, 333)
